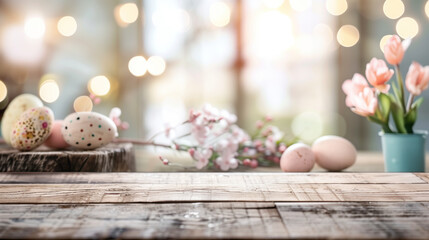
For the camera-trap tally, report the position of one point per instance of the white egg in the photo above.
(334, 153)
(13, 112)
(88, 130)
(32, 129)
(297, 158)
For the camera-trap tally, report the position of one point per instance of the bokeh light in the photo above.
(307, 126)
(300, 5)
(137, 66)
(324, 32)
(383, 41)
(336, 7)
(49, 91)
(3, 91)
(348, 36)
(393, 9)
(172, 19)
(407, 27)
(99, 85)
(427, 9)
(67, 26)
(156, 65)
(35, 27)
(273, 3)
(83, 104)
(220, 14)
(128, 12)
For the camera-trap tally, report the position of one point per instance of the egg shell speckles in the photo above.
(13, 112)
(334, 153)
(88, 130)
(297, 158)
(32, 129)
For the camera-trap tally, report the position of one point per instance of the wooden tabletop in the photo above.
(214, 205)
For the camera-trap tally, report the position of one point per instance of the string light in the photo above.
(407, 27)
(300, 5)
(336, 7)
(99, 85)
(49, 91)
(3, 91)
(220, 14)
(67, 26)
(383, 41)
(393, 9)
(348, 36)
(137, 66)
(35, 27)
(156, 65)
(83, 104)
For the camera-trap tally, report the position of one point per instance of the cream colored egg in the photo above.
(16, 107)
(297, 158)
(88, 130)
(32, 129)
(334, 153)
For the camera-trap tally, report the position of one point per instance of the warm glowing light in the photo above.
(3, 91)
(307, 126)
(348, 36)
(383, 41)
(407, 27)
(156, 65)
(336, 7)
(137, 66)
(49, 91)
(323, 32)
(82, 104)
(175, 20)
(393, 9)
(128, 12)
(99, 85)
(427, 9)
(300, 5)
(67, 26)
(35, 27)
(273, 3)
(220, 14)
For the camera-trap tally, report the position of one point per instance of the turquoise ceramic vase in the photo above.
(404, 152)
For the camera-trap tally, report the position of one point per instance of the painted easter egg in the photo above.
(334, 153)
(297, 158)
(16, 107)
(32, 129)
(88, 130)
(56, 140)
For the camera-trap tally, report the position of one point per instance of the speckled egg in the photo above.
(16, 107)
(88, 130)
(334, 153)
(56, 140)
(32, 129)
(297, 158)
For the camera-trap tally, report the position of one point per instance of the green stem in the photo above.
(401, 86)
(386, 128)
(410, 102)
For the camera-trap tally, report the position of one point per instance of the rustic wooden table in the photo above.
(214, 205)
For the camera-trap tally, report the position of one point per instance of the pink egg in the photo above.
(334, 153)
(297, 158)
(56, 140)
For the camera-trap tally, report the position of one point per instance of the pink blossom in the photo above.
(259, 124)
(270, 144)
(417, 79)
(202, 157)
(191, 152)
(365, 103)
(95, 99)
(254, 163)
(354, 87)
(378, 74)
(394, 50)
(227, 149)
(114, 114)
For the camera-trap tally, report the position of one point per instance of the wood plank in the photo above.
(233, 191)
(211, 178)
(356, 220)
(423, 176)
(111, 158)
(185, 220)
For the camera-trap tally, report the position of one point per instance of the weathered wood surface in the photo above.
(191, 187)
(111, 158)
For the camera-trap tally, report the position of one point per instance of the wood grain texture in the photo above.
(185, 220)
(423, 176)
(212, 178)
(356, 220)
(111, 158)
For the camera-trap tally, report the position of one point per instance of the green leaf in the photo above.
(417, 103)
(385, 103)
(397, 93)
(398, 117)
(411, 116)
(376, 120)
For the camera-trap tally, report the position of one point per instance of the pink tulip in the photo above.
(365, 103)
(417, 78)
(378, 74)
(394, 50)
(354, 87)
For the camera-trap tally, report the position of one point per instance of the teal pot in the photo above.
(404, 152)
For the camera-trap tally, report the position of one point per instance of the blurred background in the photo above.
(158, 59)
